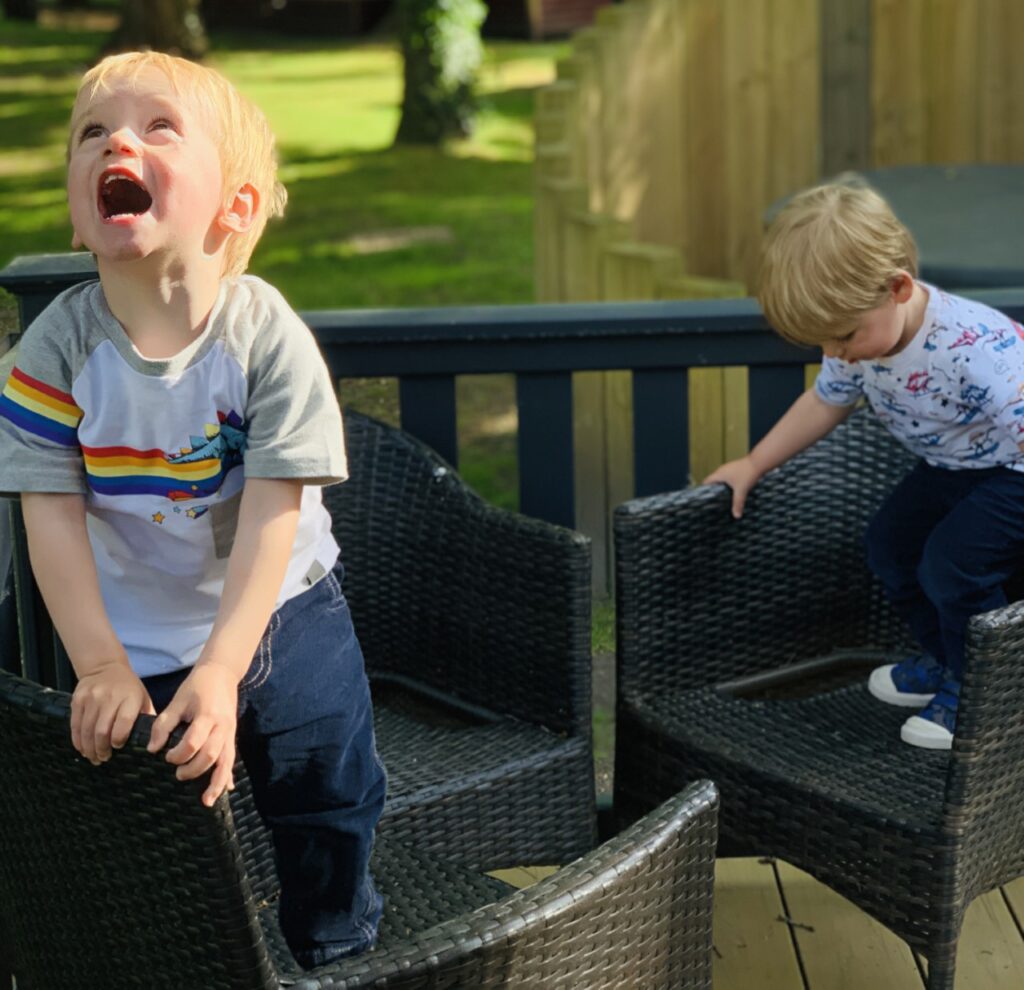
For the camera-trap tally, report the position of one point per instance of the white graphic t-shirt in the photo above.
(161, 449)
(954, 395)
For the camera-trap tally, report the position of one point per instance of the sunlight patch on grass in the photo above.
(380, 241)
(23, 57)
(330, 168)
(18, 163)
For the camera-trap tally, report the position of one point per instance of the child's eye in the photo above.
(161, 124)
(89, 131)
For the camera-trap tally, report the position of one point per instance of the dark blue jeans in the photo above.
(943, 544)
(305, 734)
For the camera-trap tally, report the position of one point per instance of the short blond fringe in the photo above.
(829, 257)
(239, 128)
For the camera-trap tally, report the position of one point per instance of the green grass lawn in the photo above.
(367, 225)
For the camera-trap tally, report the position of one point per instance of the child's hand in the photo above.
(104, 707)
(208, 699)
(740, 475)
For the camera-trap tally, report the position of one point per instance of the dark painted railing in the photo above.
(542, 345)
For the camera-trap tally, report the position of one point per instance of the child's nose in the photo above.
(124, 142)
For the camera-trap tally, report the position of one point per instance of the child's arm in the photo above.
(208, 698)
(109, 696)
(806, 421)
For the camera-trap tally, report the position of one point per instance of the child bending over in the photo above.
(169, 428)
(946, 377)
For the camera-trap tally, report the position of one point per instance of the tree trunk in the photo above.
(441, 50)
(172, 26)
(21, 10)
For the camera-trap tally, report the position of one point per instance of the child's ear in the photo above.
(903, 287)
(239, 214)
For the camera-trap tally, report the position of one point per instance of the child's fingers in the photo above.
(192, 742)
(87, 732)
(164, 724)
(205, 756)
(222, 778)
(76, 727)
(739, 500)
(102, 730)
(124, 719)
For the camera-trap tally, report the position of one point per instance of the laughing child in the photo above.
(169, 427)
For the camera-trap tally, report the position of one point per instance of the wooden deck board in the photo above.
(753, 946)
(842, 948)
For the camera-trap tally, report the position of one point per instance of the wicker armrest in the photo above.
(989, 750)
(487, 606)
(704, 598)
(651, 886)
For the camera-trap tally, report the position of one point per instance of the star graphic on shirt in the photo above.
(158, 517)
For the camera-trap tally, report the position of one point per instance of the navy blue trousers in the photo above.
(943, 544)
(305, 734)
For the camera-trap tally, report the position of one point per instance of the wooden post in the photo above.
(586, 238)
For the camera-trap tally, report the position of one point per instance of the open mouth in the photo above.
(122, 195)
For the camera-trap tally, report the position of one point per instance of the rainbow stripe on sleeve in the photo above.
(40, 409)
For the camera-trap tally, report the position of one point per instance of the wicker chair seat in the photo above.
(861, 769)
(422, 892)
(422, 756)
(470, 788)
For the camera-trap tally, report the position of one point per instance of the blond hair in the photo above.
(239, 129)
(829, 257)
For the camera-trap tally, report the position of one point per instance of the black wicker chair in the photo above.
(475, 623)
(117, 878)
(735, 639)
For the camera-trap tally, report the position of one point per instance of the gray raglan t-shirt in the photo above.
(161, 449)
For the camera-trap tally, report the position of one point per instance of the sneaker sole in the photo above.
(917, 731)
(881, 687)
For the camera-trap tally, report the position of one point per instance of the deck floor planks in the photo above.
(842, 948)
(753, 946)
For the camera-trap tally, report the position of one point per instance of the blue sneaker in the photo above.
(934, 726)
(911, 683)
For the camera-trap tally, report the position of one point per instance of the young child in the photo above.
(946, 377)
(168, 428)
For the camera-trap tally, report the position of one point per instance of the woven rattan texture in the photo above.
(487, 611)
(634, 913)
(116, 878)
(823, 782)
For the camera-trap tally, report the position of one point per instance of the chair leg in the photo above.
(942, 967)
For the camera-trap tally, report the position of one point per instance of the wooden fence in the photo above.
(674, 124)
